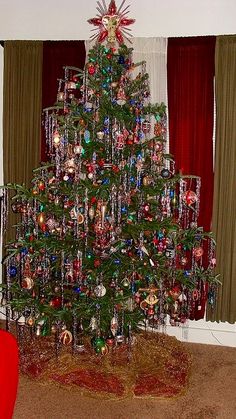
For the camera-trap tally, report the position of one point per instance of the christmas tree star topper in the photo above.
(111, 22)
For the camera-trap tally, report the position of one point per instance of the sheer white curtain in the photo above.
(154, 52)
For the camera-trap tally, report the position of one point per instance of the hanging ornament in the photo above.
(70, 166)
(93, 325)
(27, 283)
(91, 69)
(65, 337)
(121, 97)
(110, 22)
(100, 290)
(55, 302)
(91, 213)
(100, 135)
(99, 345)
(165, 173)
(198, 252)
(114, 325)
(56, 138)
(146, 126)
(78, 149)
(120, 336)
(41, 218)
(189, 197)
(87, 136)
(12, 271)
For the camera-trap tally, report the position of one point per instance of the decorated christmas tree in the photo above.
(108, 240)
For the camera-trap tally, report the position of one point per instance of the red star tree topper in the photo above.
(111, 22)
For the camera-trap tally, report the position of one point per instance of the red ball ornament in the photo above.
(190, 197)
(93, 199)
(91, 69)
(55, 302)
(115, 169)
(101, 162)
(76, 264)
(41, 186)
(97, 263)
(43, 227)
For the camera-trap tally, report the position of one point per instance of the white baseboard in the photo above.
(201, 331)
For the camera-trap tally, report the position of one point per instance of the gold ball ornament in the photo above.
(80, 218)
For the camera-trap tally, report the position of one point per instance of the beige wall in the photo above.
(57, 19)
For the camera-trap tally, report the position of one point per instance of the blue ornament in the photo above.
(12, 271)
(128, 242)
(106, 181)
(121, 59)
(24, 251)
(133, 287)
(87, 136)
(77, 290)
(117, 261)
(141, 134)
(187, 273)
(53, 258)
(123, 210)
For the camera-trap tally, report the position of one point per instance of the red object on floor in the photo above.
(8, 374)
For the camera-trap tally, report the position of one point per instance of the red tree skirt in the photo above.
(158, 366)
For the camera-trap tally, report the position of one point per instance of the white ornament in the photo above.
(100, 290)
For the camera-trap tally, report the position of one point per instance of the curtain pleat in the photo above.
(224, 204)
(21, 112)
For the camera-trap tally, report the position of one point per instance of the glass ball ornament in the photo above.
(27, 283)
(91, 69)
(126, 282)
(65, 337)
(189, 197)
(165, 173)
(12, 271)
(100, 290)
(99, 344)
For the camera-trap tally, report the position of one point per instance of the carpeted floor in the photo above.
(211, 394)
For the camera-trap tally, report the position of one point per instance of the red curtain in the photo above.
(190, 78)
(190, 81)
(56, 55)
